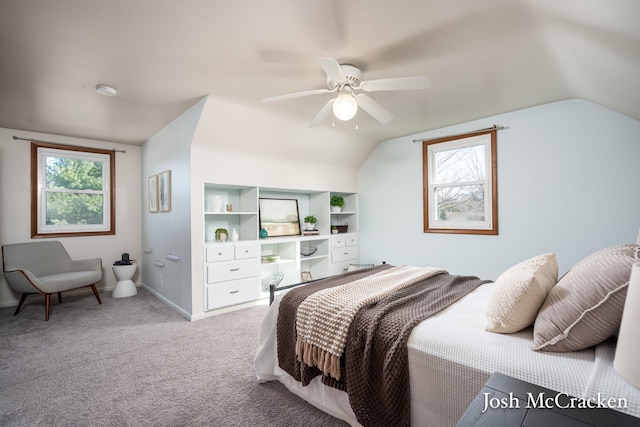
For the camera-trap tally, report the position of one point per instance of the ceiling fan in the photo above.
(345, 80)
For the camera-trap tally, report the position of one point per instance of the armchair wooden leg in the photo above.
(22, 298)
(95, 292)
(59, 297)
(47, 304)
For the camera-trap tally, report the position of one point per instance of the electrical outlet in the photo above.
(160, 279)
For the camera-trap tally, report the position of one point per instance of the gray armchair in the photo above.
(46, 268)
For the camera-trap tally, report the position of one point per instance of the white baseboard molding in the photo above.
(230, 309)
(179, 310)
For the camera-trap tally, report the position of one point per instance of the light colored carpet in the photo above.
(135, 362)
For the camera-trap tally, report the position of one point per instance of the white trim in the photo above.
(105, 159)
(434, 220)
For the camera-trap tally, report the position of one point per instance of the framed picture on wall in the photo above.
(153, 193)
(164, 191)
(279, 217)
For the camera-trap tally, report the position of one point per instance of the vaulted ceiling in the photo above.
(483, 58)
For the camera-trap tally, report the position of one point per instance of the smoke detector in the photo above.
(106, 90)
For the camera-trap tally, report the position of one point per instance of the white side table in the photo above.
(125, 286)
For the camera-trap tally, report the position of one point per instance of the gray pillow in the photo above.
(585, 307)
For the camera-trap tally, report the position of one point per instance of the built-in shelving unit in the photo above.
(243, 215)
(348, 215)
(234, 269)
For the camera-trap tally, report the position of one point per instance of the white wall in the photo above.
(169, 232)
(243, 145)
(567, 183)
(15, 205)
(221, 142)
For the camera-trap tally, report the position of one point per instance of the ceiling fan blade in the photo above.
(376, 110)
(296, 95)
(324, 112)
(399, 83)
(333, 69)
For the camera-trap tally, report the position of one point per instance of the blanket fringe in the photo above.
(312, 355)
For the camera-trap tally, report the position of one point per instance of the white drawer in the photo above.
(232, 270)
(344, 254)
(247, 250)
(337, 241)
(339, 268)
(219, 253)
(231, 293)
(351, 239)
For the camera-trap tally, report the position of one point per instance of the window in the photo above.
(72, 191)
(460, 185)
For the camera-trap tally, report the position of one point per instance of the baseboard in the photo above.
(167, 302)
(229, 309)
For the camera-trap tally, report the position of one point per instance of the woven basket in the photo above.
(307, 251)
(341, 228)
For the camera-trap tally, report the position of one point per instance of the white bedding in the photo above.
(451, 356)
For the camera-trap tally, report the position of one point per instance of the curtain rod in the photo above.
(494, 127)
(48, 142)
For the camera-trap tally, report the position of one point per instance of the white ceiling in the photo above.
(483, 57)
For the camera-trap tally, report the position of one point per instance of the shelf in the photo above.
(278, 262)
(319, 237)
(231, 213)
(312, 257)
(228, 242)
(290, 239)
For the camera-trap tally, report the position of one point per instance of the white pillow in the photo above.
(519, 293)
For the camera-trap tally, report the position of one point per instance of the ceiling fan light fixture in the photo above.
(106, 90)
(345, 79)
(345, 107)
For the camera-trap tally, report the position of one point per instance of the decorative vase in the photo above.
(309, 226)
(336, 208)
(214, 203)
(234, 235)
(263, 234)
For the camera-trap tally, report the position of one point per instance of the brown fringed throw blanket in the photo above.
(323, 318)
(374, 367)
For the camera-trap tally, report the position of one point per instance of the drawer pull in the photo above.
(219, 253)
(246, 251)
(234, 269)
(346, 253)
(233, 292)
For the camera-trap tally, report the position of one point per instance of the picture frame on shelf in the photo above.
(164, 191)
(279, 217)
(152, 196)
(305, 276)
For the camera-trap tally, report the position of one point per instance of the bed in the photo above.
(451, 354)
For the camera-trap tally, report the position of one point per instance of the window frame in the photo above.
(432, 224)
(38, 215)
